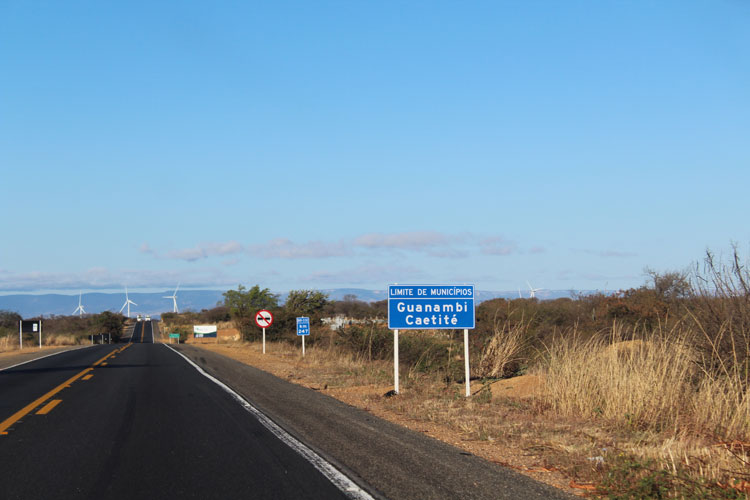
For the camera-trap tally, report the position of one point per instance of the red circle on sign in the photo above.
(263, 318)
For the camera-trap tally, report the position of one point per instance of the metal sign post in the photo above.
(395, 361)
(303, 330)
(466, 362)
(431, 307)
(264, 319)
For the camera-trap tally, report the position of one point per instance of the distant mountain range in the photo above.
(30, 305)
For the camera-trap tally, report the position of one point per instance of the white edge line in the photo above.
(45, 356)
(339, 479)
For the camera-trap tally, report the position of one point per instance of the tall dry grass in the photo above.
(8, 342)
(656, 382)
(722, 403)
(503, 352)
(61, 339)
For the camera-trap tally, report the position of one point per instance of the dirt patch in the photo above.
(525, 386)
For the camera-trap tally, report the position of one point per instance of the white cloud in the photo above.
(497, 245)
(146, 248)
(283, 248)
(101, 278)
(430, 243)
(365, 274)
(205, 250)
(416, 240)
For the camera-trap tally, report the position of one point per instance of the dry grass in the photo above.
(61, 340)
(640, 384)
(504, 349)
(10, 342)
(656, 398)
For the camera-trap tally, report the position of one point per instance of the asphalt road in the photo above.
(146, 424)
(142, 420)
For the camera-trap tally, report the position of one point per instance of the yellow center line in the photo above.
(87, 377)
(8, 422)
(48, 407)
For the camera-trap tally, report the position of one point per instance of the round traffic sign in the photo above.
(263, 318)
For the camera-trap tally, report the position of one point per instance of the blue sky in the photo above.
(356, 144)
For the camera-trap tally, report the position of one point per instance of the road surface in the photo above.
(141, 420)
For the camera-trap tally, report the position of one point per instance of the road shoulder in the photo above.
(395, 461)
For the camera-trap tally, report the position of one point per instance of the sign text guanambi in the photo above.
(426, 307)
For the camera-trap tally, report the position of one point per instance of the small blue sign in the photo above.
(430, 307)
(303, 326)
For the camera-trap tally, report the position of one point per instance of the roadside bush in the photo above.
(368, 341)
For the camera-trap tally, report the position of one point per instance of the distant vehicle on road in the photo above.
(139, 318)
(148, 318)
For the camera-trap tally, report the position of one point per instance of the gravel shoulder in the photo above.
(389, 460)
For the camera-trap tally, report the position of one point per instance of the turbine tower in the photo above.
(174, 299)
(532, 290)
(127, 302)
(79, 310)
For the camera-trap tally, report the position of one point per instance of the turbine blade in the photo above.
(123, 306)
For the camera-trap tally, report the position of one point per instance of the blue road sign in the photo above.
(303, 326)
(430, 307)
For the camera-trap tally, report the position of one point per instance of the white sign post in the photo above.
(264, 319)
(395, 361)
(431, 307)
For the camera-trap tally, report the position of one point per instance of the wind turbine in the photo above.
(174, 299)
(79, 310)
(127, 302)
(532, 290)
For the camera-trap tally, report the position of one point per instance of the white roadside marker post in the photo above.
(395, 361)
(40, 334)
(466, 359)
(20, 335)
